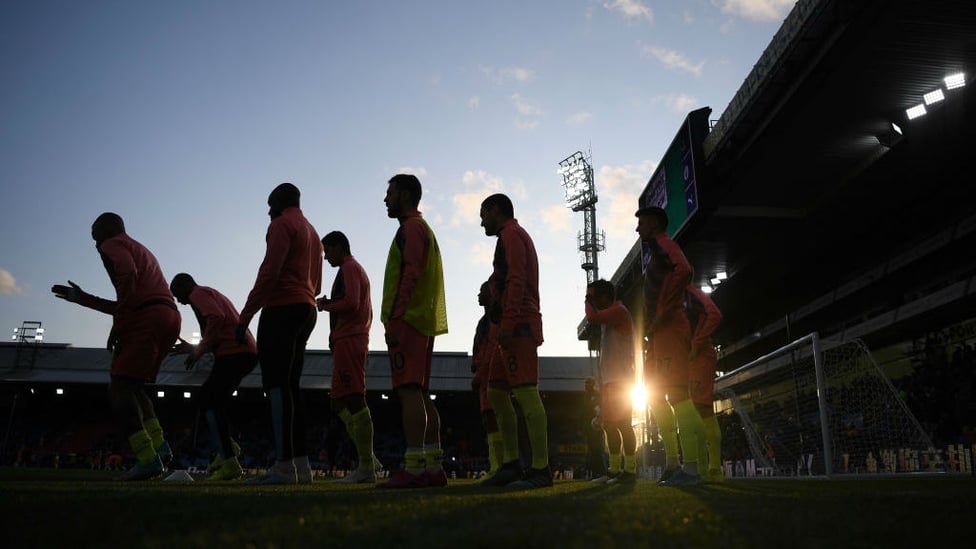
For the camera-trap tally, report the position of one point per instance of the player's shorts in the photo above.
(482, 376)
(144, 340)
(701, 377)
(410, 359)
(668, 355)
(519, 364)
(615, 402)
(349, 365)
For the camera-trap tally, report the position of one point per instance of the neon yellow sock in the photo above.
(664, 417)
(614, 463)
(713, 436)
(155, 431)
(433, 457)
(360, 427)
(142, 446)
(630, 463)
(496, 448)
(691, 427)
(536, 423)
(507, 421)
(414, 460)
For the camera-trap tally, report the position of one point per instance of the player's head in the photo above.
(603, 293)
(181, 286)
(336, 247)
(485, 294)
(651, 221)
(106, 226)
(282, 197)
(403, 193)
(495, 210)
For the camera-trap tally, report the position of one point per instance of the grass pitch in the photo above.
(79, 508)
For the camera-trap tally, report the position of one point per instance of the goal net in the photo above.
(814, 408)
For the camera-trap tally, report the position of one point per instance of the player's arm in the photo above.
(74, 294)
(515, 282)
(414, 252)
(278, 244)
(674, 284)
(216, 320)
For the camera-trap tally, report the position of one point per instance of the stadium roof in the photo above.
(61, 363)
(806, 209)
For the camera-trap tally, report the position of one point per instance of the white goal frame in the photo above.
(917, 456)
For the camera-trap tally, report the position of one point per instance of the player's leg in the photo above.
(409, 375)
(307, 316)
(128, 417)
(433, 453)
(349, 356)
(523, 376)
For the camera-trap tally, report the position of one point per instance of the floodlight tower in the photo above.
(28, 338)
(577, 173)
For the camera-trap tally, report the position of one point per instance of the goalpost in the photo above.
(819, 409)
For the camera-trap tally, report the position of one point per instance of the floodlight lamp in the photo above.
(954, 81)
(916, 111)
(716, 281)
(186, 394)
(433, 397)
(234, 394)
(40, 330)
(59, 391)
(897, 129)
(721, 275)
(160, 394)
(384, 396)
(706, 289)
(933, 96)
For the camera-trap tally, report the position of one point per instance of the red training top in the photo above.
(136, 275)
(703, 315)
(218, 320)
(665, 279)
(350, 307)
(292, 268)
(517, 275)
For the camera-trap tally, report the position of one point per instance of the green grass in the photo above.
(74, 508)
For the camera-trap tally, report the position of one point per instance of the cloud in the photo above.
(757, 10)
(528, 112)
(474, 102)
(508, 74)
(682, 103)
(8, 284)
(578, 118)
(672, 59)
(557, 218)
(524, 106)
(478, 184)
(419, 172)
(631, 9)
(618, 188)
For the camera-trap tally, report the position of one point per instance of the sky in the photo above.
(181, 116)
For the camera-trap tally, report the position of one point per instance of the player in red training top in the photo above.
(668, 340)
(704, 318)
(485, 350)
(145, 325)
(616, 378)
(350, 317)
(288, 280)
(413, 313)
(218, 319)
(516, 279)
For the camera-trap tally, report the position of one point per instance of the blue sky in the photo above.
(183, 115)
